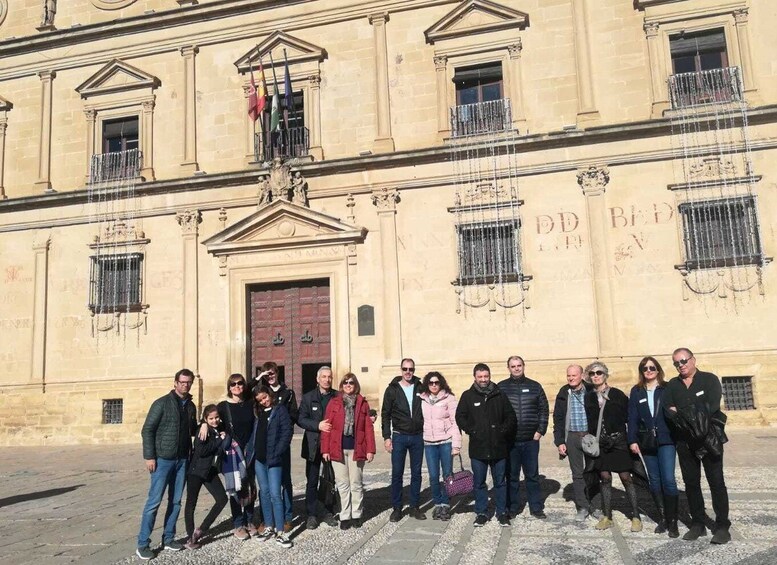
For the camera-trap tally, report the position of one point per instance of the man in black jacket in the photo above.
(530, 404)
(167, 442)
(570, 424)
(311, 419)
(486, 415)
(694, 389)
(403, 428)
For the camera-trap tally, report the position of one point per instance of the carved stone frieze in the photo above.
(593, 180)
(712, 168)
(189, 220)
(280, 183)
(386, 198)
(119, 232)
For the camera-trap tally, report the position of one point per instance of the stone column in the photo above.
(147, 139)
(516, 86)
(593, 181)
(91, 119)
(658, 74)
(386, 202)
(443, 110)
(189, 220)
(44, 139)
(314, 117)
(384, 143)
(40, 289)
(189, 165)
(745, 55)
(587, 113)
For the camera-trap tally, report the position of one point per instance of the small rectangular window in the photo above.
(120, 134)
(738, 393)
(115, 283)
(488, 252)
(720, 233)
(113, 411)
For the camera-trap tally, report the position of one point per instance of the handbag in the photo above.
(327, 488)
(647, 439)
(589, 443)
(460, 482)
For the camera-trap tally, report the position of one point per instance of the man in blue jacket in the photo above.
(167, 442)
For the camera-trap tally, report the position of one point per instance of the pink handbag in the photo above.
(460, 482)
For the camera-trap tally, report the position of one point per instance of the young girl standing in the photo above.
(203, 472)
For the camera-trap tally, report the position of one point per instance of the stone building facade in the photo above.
(456, 181)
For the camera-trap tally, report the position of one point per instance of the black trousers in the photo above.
(690, 466)
(215, 488)
(312, 473)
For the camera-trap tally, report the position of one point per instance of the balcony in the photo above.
(292, 143)
(116, 167)
(714, 86)
(484, 117)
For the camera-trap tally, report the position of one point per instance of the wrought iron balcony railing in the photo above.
(483, 117)
(714, 86)
(119, 166)
(286, 144)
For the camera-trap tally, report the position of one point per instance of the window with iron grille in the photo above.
(720, 233)
(113, 411)
(489, 252)
(120, 134)
(116, 283)
(480, 103)
(738, 393)
(288, 142)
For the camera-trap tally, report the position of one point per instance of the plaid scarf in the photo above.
(234, 471)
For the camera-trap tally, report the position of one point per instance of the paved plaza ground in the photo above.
(82, 505)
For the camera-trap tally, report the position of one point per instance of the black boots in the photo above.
(670, 515)
(659, 502)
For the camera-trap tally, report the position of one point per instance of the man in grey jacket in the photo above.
(167, 441)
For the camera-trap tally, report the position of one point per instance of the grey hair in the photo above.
(598, 365)
(322, 369)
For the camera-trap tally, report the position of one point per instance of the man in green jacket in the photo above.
(167, 441)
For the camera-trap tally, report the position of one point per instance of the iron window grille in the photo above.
(489, 252)
(113, 411)
(116, 283)
(721, 233)
(738, 393)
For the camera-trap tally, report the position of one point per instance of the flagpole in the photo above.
(264, 89)
(275, 83)
(290, 95)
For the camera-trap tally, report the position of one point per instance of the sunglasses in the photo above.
(349, 383)
(681, 362)
(237, 383)
(184, 383)
(408, 369)
(649, 369)
(597, 373)
(434, 383)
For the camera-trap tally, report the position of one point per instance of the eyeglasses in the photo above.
(434, 383)
(348, 383)
(237, 383)
(649, 369)
(184, 383)
(408, 369)
(597, 373)
(681, 362)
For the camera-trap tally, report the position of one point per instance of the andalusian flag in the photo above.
(275, 112)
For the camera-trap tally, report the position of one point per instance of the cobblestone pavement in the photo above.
(82, 505)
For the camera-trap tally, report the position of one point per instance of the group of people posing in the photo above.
(246, 438)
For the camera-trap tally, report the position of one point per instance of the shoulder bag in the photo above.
(647, 439)
(589, 443)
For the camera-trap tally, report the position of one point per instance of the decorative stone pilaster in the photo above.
(587, 114)
(189, 165)
(44, 138)
(658, 88)
(189, 220)
(741, 19)
(316, 150)
(384, 143)
(147, 141)
(386, 201)
(40, 285)
(91, 121)
(516, 86)
(593, 181)
(443, 111)
(350, 203)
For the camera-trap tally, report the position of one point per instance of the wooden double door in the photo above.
(290, 325)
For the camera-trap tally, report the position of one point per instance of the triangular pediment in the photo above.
(476, 16)
(283, 225)
(117, 76)
(5, 104)
(297, 51)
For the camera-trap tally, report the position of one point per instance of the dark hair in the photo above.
(679, 349)
(236, 378)
(209, 409)
(406, 359)
(481, 367)
(357, 388)
(184, 373)
(373, 412)
(443, 383)
(641, 374)
(270, 366)
(262, 389)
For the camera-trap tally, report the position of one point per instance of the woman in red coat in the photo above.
(348, 445)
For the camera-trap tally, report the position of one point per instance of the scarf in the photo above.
(603, 395)
(349, 403)
(487, 390)
(433, 399)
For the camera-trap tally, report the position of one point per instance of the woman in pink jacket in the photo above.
(442, 438)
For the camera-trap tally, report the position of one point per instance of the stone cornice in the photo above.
(437, 154)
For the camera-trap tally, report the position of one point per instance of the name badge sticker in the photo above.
(700, 393)
(525, 390)
(643, 400)
(476, 404)
(315, 407)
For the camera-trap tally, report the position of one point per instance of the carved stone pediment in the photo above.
(117, 76)
(297, 51)
(283, 225)
(476, 16)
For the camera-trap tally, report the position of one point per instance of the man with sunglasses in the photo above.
(167, 442)
(694, 389)
(402, 422)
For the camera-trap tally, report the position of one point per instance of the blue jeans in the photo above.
(288, 493)
(525, 455)
(479, 470)
(270, 479)
(436, 455)
(169, 474)
(660, 470)
(401, 445)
